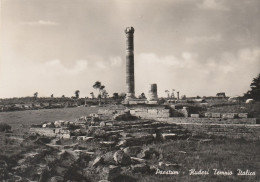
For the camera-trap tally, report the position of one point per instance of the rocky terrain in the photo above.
(96, 147)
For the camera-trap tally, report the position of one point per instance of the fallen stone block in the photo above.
(133, 150)
(139, 160)
(166, 136)
(99, 160)
(208, 115)
(107, 143)
(229, 115)
(140, 168)
(59, 123)
(194, 115)
(216, 115)
(111, 172)
(153, 111)
(243, 115)
(122, 158)
(148, 153)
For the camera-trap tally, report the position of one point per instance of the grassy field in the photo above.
(198, 153)
(219, 153)
(21, 120)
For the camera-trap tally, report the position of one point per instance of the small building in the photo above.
(221, 94)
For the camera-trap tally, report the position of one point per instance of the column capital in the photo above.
(129, 30)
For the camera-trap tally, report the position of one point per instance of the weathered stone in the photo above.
(138, 160)
(59, 123)
(84, 138)
(130, 80)
(140, 168)
(169, 136)
(216, 115)
(122, 143)
(109, 158)
(100, 133)
(250, 101)
(56, 141)
(229, 115)
(108, 143)
(185, 112)
(243, 115)
(133, 150)
(99, 160)
(122, 158)
(166, 165)
(152, 93)
(148, 153)
(56, 179)
(102, 124)
(110, 172)
(194, 115)
(122, 116)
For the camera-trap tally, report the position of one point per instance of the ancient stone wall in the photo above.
(150, 113)
(251, 132)
(52, 132)
(209, 120)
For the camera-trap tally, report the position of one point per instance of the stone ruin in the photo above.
(124, 131)
(120, 140)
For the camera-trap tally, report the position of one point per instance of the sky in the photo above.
(196, 47)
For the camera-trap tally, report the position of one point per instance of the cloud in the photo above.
(116, 61)
(212, 5)
(231, 72)
(198, 39)
(101, 65)
(55, 67)
(184, 61)
(41, 22)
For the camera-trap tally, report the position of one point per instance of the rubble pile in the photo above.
(91, 148)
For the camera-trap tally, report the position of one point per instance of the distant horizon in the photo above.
(197, 47)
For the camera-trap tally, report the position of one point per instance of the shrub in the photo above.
(4, 127)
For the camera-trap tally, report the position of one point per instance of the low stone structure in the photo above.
(178, 120)
(150, 113)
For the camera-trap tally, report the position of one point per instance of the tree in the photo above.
(167, 91)
(115, 96)
(122, 95)
(63, 96)
(254, 93)
(92, 95)
(172, 94)
(104, 94)
(142, 96)
(35, 95)
(51, 95)
(77, 94)
(97, 85)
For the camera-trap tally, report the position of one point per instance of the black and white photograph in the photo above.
(129, 91)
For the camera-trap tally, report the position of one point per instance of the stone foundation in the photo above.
(243, 121)
(249, 132)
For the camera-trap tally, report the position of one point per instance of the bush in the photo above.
(4, 127)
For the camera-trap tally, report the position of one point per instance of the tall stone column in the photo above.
(152, 94)
(130, 77)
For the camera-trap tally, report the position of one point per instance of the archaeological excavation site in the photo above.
(139, 139)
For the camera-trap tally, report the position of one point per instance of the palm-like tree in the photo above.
(100, 88)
